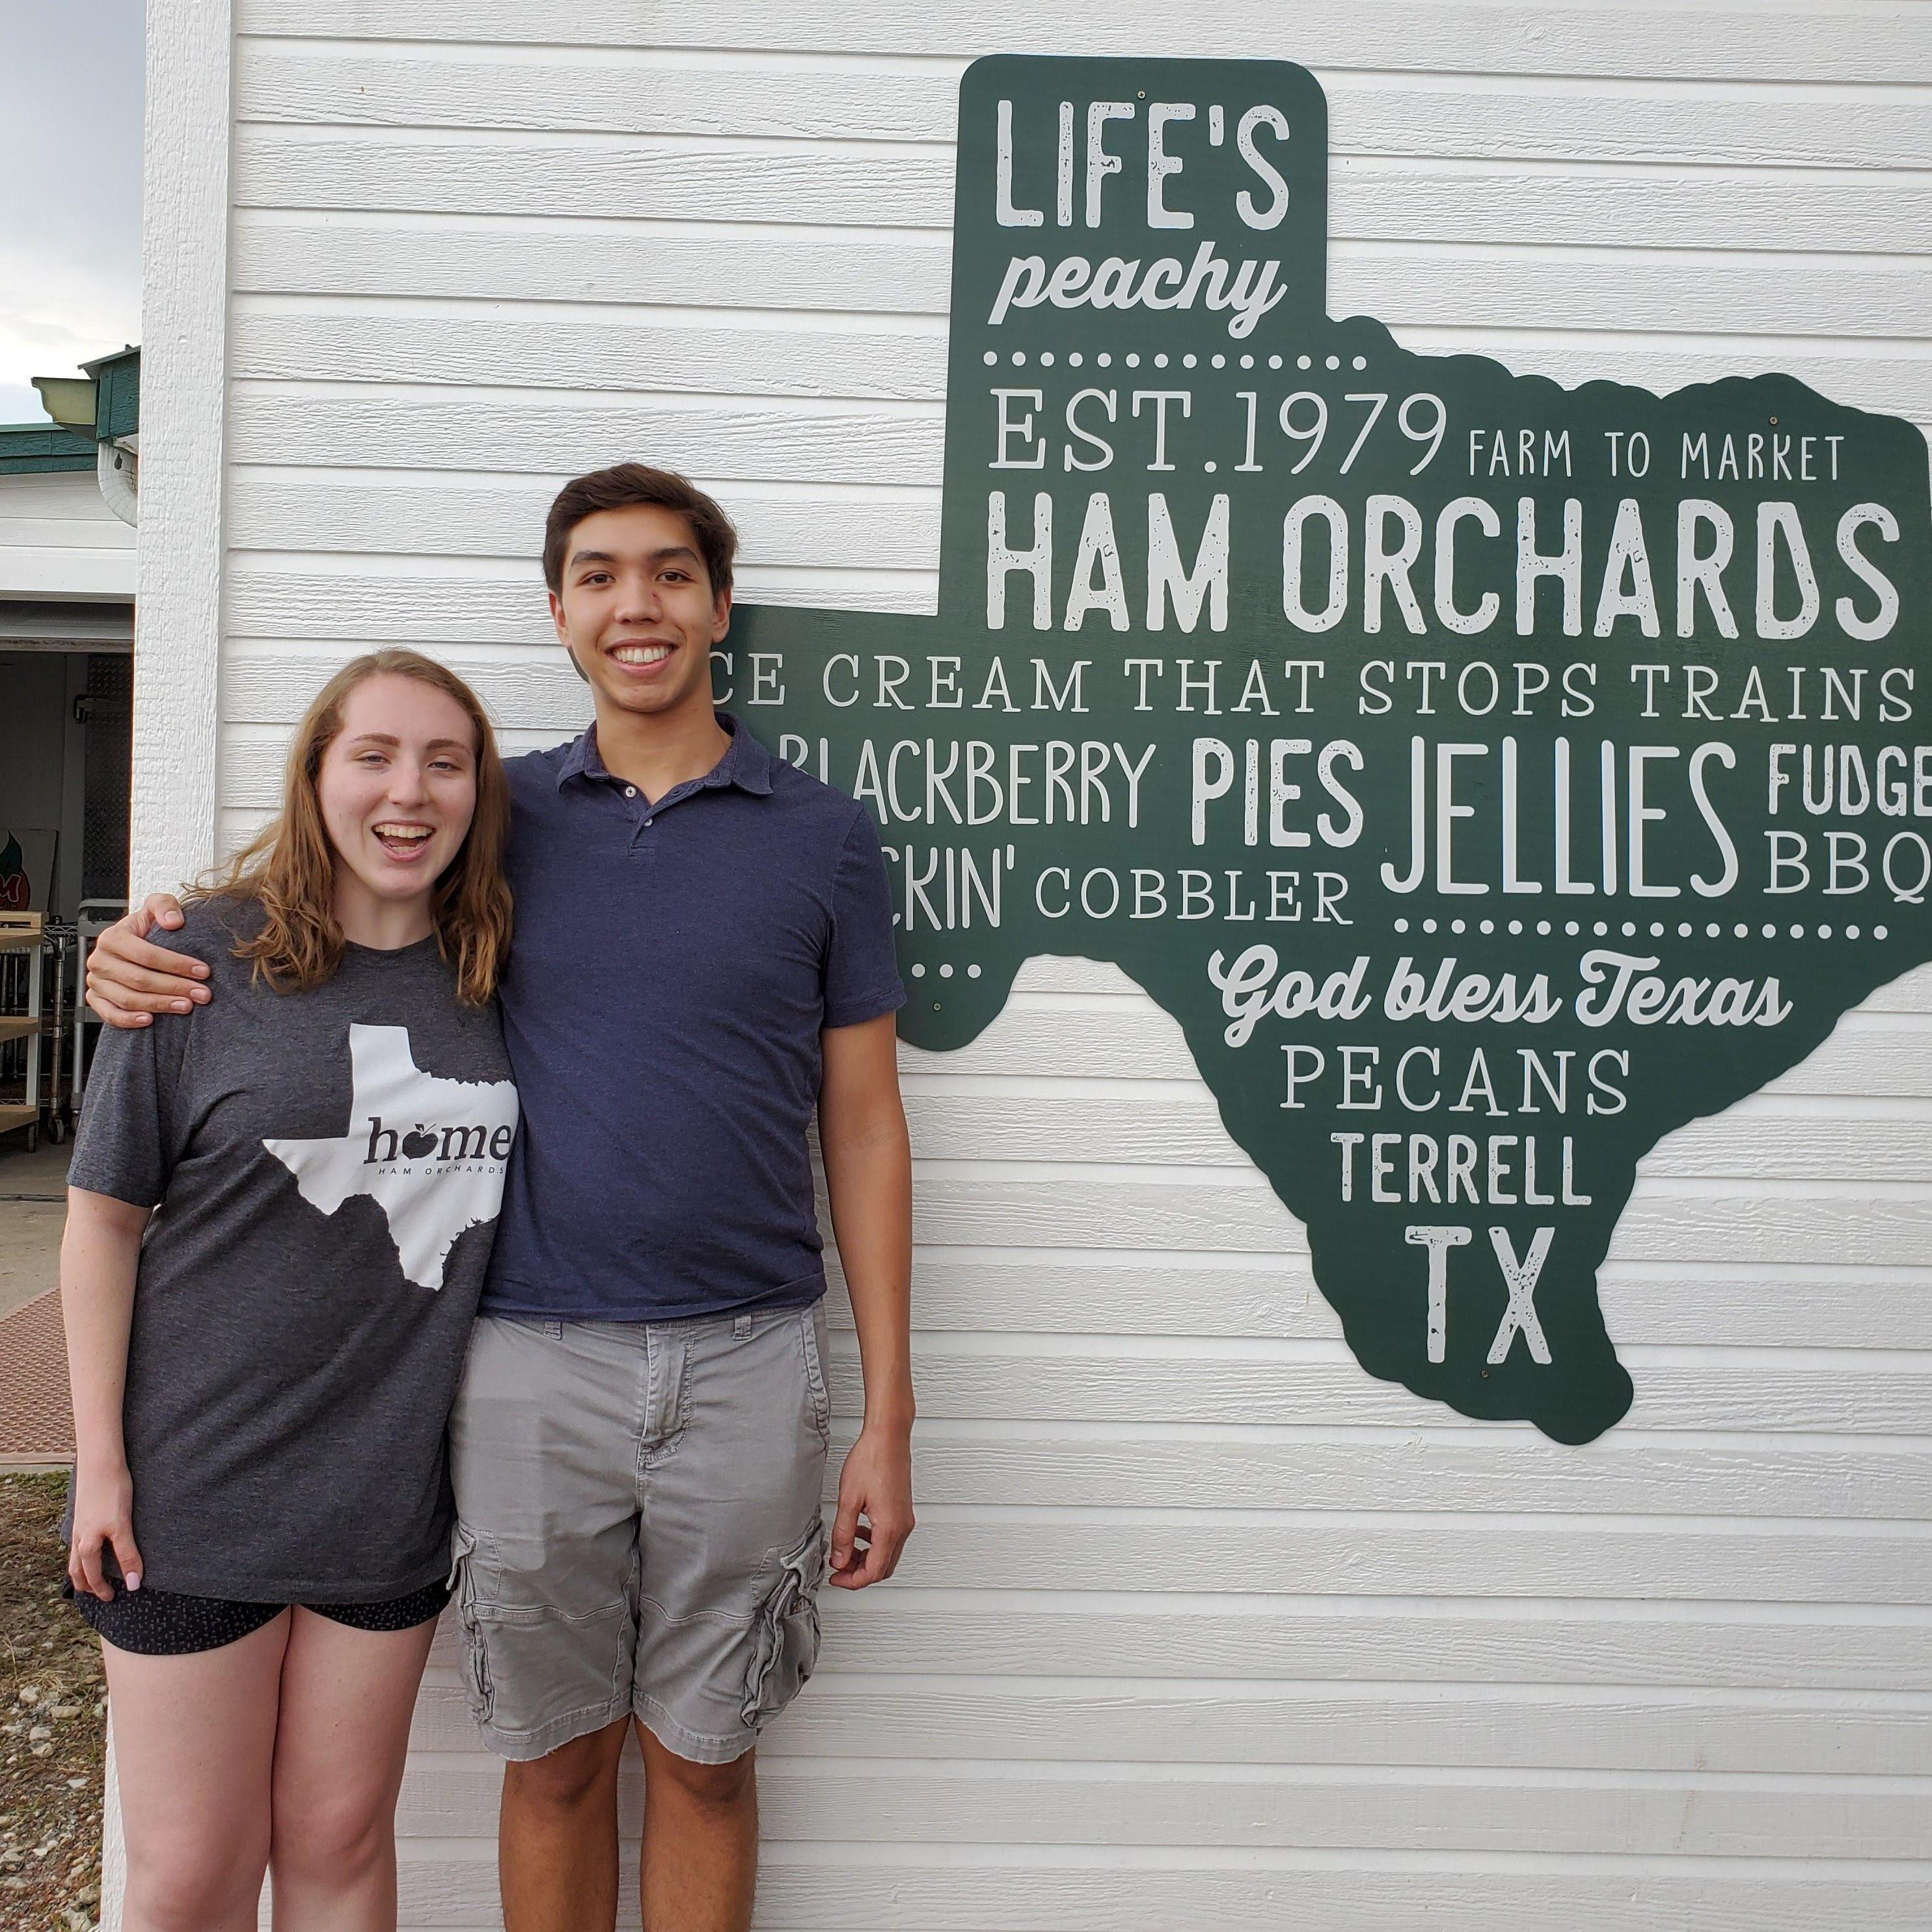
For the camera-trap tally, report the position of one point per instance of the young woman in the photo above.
(279, 1213)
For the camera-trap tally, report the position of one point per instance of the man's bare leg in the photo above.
(700, 1856)
(556, 1837)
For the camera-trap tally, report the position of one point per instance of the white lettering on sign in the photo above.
(1245, 292)
(1439, 1241)
(1519, 1278)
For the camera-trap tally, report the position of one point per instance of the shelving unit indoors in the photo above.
(33, 1027)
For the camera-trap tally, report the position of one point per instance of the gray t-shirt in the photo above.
(329, 1166)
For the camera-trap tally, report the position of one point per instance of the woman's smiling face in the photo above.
(398, 788)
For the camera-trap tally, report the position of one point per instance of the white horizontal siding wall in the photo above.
(59, 539)
(1203, 1629)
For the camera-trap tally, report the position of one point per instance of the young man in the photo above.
(703, 954)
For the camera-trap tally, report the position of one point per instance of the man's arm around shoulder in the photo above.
(129, 978)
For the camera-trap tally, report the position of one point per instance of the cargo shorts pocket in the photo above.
(785, 1632)
(474, 1663)
(811, 1337)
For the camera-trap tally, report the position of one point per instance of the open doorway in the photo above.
(69, 504)
(65, 718)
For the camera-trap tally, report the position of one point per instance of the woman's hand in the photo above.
(104, 1512)
(100, 1252)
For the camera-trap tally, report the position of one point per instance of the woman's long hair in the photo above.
(288, 868)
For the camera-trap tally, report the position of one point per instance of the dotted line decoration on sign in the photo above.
(1630, 929)
(1076, 359)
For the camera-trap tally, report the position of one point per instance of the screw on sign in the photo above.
(1489, 777)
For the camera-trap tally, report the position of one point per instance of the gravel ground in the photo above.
(53, 1729)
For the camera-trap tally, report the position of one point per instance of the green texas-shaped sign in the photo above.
(1489, 777)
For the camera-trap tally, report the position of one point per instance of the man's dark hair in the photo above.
(625, 484)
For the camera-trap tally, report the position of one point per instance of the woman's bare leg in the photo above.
(347, 1699)
(194, 1746)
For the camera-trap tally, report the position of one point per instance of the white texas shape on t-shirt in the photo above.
(429, 1152)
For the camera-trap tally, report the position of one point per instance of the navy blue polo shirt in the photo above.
(672, 966)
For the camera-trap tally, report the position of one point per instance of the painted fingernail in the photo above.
(133, 1579)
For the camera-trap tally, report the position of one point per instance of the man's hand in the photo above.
(862, 1134)
(876, 1483)
(129, 980)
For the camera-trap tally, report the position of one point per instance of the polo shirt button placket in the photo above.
(641, 823)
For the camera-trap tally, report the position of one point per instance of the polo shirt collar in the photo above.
(746, 763)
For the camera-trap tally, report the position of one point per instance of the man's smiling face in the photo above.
(637, 610)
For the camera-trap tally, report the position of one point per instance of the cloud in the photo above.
(57, 311)
(19, 404)
(70, 153)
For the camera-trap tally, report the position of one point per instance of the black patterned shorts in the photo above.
(164, 1623)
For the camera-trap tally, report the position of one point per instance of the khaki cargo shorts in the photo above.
(638, 1529)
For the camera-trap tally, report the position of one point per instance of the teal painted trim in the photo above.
(30, 448)
(118, 408)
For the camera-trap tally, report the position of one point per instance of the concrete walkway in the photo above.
(36, 1426)
(33, 1199)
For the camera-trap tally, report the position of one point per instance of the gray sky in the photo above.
(71, 215)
